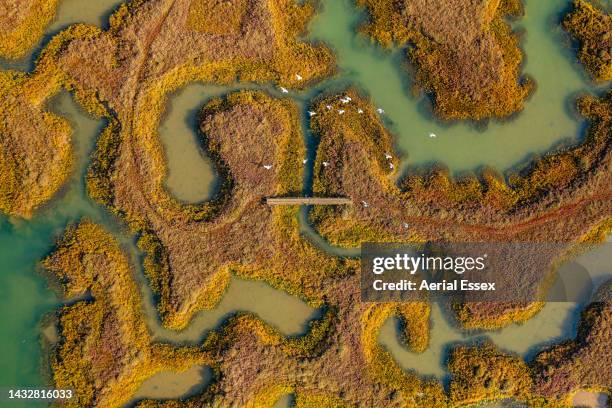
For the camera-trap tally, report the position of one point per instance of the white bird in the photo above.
(406, 225)
(345, 100)
(388, 156)
(325, 164)
(432, 135)
(284, 90)
(305, 161)
(340, 111)
(380, 110)
(298, 77)
(359, 110)
(267, 166)
(391, 166)
(311, 113)
(366, 205)
(328, 107)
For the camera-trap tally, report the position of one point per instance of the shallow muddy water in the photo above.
(590, 400)
(286, 401)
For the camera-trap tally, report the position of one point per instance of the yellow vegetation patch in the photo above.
(35, 149)
(379, 361)
(36, 154)
(464, 53)
(483, 373)
(22, 24)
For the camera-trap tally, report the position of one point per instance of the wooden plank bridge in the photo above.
(308, 201)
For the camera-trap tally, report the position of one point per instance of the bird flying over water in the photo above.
(284, 90)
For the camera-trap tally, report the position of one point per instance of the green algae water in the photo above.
(547, 120)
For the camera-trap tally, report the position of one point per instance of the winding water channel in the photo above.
(548, 120)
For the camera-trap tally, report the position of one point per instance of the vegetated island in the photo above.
(592, 27)
(463, 52)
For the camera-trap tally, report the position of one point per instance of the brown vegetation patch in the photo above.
(592, 27)
(106, 352)
(464, 53)
(560, 199)
(344, 367)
